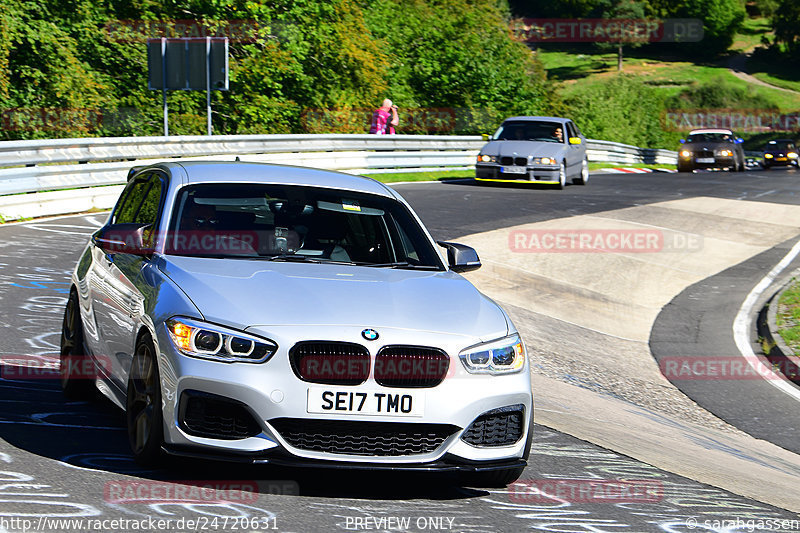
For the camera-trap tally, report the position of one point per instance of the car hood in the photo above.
(244, 293)
(523, 148)
(708, 145)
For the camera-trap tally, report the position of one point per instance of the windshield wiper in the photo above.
(402, 264)
(300, 258)
(292, 257)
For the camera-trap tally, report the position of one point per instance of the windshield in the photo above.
(530, 130)
(779, 145)
(710, 138)
(279, 222)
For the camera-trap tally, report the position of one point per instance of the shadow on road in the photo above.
(37, 418)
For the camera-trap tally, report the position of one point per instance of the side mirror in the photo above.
(461, 258)
(575, 140)
(683, 141)
(485, 136)
(122, 238)
(739, 140)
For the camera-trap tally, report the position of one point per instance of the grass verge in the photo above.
(597, 165)
(432, 175)
(788, 316)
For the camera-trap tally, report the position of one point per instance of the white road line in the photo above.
(93, 221)
(52, 229)
(741, 326)
(759, 195)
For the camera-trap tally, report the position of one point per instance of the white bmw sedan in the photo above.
(284, 315)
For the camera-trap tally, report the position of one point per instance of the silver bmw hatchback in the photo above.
(292, 316)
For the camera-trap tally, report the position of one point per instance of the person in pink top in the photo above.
(382, 122)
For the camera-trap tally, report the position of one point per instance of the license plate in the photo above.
(513, 170)
(780, 159)
(398, 403)
(705, 159)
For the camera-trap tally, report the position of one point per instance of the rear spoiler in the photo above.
(134, 170)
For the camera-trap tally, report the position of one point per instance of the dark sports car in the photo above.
(711, 149)
(780, 152)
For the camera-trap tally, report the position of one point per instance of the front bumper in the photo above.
(779, 162)
(271, 391)
(448, 463)
(718, 162)
(547, 174)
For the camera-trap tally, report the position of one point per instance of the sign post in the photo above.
(188, 64)
(164, 85)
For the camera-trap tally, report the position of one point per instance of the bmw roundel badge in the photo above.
(369, 334)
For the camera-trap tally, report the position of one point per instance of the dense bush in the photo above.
(623, 109)
(719, 94)
(311, 66)
(620, 109)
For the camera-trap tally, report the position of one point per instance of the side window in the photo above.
(148, 210)
(571, 129)
(132, 198)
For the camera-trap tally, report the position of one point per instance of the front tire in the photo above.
(684, 168)
(73, 359)
(143, 405)
(584, 177)
(562, 176)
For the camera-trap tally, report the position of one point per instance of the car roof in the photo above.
(253, 172)
(549, 119)
(711, 130)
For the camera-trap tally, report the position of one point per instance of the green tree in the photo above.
(458, 55)
(786, 22)
(624, 10)
(721, 20)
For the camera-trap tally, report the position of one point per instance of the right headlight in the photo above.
(483, 158)
(209, 341)
(686, 153)
(501, 356)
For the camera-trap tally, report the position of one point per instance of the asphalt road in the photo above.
(63, 459)
(697, 324)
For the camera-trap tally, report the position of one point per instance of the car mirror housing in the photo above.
(123, 238)
(575, 140)
(683, 141)
(461, 258)
(739, 140)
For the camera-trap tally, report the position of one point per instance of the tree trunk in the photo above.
(619, 57)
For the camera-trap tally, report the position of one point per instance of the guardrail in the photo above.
(625, 153)
(49, 166)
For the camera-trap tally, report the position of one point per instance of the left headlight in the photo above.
(725, 153)
(502, 356)
(210, 341)
(544, 161)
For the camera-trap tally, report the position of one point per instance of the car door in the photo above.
(576, 153)
(117, 297)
